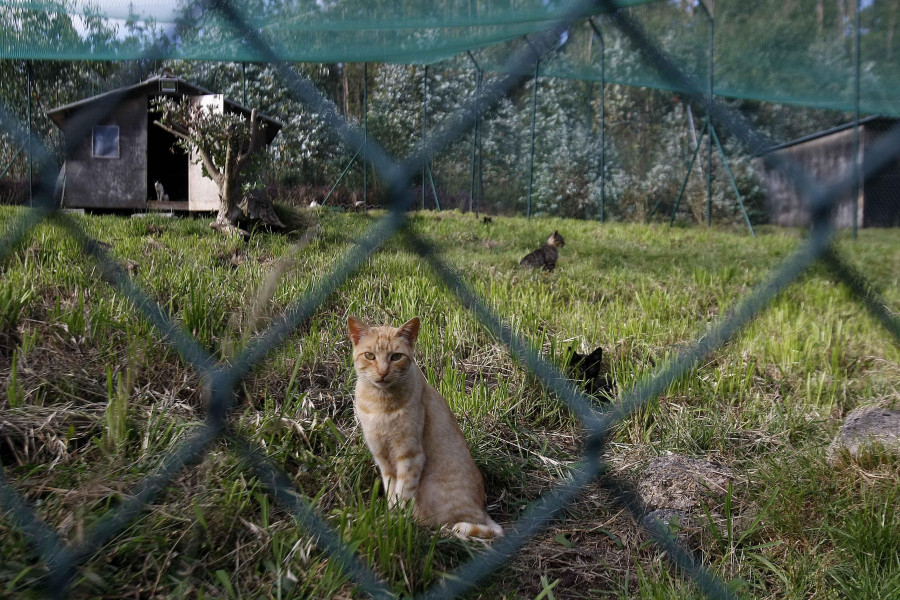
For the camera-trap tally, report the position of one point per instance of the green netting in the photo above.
(409, 31)
(781, 55)
(799, 51)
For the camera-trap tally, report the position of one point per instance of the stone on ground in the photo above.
(865, 427)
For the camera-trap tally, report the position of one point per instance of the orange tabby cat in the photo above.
(413, 436)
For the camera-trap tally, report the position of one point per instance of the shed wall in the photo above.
(203, 193)
(823, 158)
(112, 182)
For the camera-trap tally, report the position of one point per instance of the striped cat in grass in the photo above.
(413, 436)
(545, 256)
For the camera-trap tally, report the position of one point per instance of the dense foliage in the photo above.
(646, 135)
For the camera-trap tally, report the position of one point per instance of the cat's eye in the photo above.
(369, 356)
(397, 356)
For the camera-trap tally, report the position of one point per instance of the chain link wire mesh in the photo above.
(63, 559)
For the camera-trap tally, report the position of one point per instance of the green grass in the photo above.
(95, 398)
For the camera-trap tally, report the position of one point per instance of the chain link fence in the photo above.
(63, 560)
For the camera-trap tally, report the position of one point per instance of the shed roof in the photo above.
(827, 132)
(152, 87)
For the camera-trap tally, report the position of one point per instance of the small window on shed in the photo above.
(105, 143)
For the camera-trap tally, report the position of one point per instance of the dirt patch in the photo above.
(64, 394)
(680, 483)
(594, 551)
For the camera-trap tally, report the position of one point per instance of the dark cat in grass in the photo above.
(545, 256)
(589, 368)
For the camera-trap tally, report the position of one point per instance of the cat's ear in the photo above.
(409, 330)
(357, 329)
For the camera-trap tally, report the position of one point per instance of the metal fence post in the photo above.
(478, 76)
(30, 152)
(437, 202)
(424, 134)
(709, 102)
(602, 120)
(537, 66)
(365, 132)
(684, 183)
(12, 160)
(602, 129)
(341, 176)
(734, 186)
(856, 92)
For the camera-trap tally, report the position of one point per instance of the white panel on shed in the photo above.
(203, 193)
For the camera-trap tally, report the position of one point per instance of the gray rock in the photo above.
(866, 426)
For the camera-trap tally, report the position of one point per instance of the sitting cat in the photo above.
(589, 368)
(545, 256)
(161, 194)
(414, 438)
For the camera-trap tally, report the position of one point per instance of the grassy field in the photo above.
(94, 398)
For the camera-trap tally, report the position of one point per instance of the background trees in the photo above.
(648, 133)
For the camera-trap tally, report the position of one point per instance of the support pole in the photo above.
(30, 153)
(365, 133)
(709, 151)
(686, 177)
(709, 102)
(424, 139)
(602, 130)
(856, 170)
(12, 160)
(433, 188)
(344, 172)
(244, 83)
(478, 76)
(590, 93)
(537, 66)
(715, 136)
(480, 195)
(602, 120)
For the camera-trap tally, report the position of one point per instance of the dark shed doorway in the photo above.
(167, 163)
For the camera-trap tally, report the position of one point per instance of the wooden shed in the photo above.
(118, 164)
(827, 154)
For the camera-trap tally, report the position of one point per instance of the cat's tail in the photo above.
(487, 530)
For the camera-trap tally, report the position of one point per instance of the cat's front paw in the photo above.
(485, 531)
(403, 495)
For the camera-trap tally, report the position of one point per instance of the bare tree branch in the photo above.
(185, 135)
(255, 141)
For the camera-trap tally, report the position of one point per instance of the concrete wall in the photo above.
(112, 182)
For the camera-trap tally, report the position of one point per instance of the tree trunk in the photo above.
(229, 212)
(346, 86)
(233, 207)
